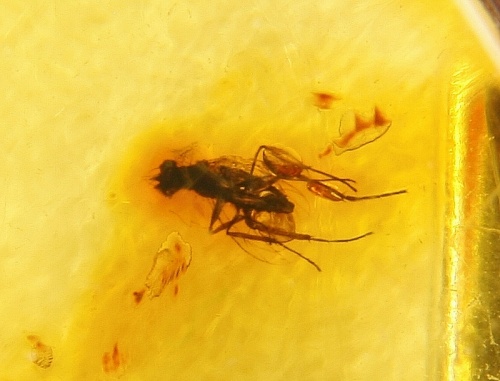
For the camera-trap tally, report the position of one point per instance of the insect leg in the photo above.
(227, 225)
(330, 193)
(219, 203)
(274, 231)
(269, 233)
(270, 240)
(287, 167)
(254, 161)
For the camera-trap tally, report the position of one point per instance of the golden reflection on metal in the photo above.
(472, 235)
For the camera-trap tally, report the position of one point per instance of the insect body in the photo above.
(254, 192)
(225, 185)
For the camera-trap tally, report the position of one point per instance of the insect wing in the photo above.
(230, 162)
(282, 163)
(275, 223)
(238, 164)
(265, 243)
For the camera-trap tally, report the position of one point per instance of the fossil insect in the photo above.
(255, 193)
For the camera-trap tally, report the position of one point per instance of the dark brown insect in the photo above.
(254, 192)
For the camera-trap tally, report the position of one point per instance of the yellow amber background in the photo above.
(95, 94)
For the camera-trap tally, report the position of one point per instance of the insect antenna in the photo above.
(330, 193)
(375, 196)
(344, 240)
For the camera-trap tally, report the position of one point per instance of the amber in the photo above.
(96, 95)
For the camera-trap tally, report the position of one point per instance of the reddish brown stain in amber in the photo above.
(132, 183)
(363, 131)
(379, 119)
(360, 125)
(112, 361)
(324, 101)
(138, 296)
(327, 151)
(177, 248)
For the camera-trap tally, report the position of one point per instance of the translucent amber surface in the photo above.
(95, 95)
